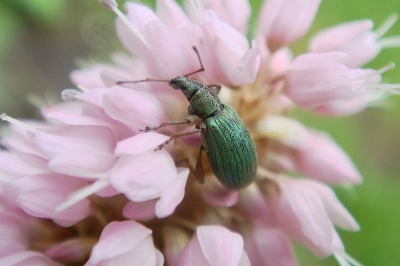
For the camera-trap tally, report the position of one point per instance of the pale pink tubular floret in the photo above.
(311, 153)
(133, 108)
(27, 258)
(315, 209)
(73, 250)
(39, 195)
(355, 38)
(214, 245)
(171, 13)
(140, 211)
(125, 243)
(324, 160)
(269, 247)
(283, 21)
(315, 79)
(220, 196)
(156, 175)
(13, 231)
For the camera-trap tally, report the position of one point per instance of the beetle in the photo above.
(225, 138)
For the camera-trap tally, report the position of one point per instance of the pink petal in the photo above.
(83, 164)
(76, 139)
(173, 58)
(219, 245)
(220, 197)
(336, 211)
(141, 143)
(235, 12)
(171, 14)
(253, 205)
(192, 255)
(354, 38)
(315, 79)
(140, 211)
(247, 69)
(13, 165)
(39, 195)
(133, 108)
(14, 233)
(118, 238)
(143, 177)
(94, 96)
(73, 250)
(27, 258)
(284, 21)
(173, 195)
(269, 247)
(125, 243)
(326, 161)
(309, 210)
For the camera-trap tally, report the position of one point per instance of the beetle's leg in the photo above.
(188, 120)
(199, 174)
(216, 88)
(199, 128)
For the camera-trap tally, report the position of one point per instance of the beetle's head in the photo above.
(178, 83)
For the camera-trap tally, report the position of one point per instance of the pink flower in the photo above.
(214, 245)
(89, 169)
(125, 243)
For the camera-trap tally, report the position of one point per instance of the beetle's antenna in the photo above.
(201, 69)
(143, 80)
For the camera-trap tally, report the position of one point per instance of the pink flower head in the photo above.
(283, 21)
(125, 243)
(214, 245)
(92, 168)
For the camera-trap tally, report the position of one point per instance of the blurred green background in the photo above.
(41, 41)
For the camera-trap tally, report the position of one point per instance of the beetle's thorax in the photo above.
(203, 102)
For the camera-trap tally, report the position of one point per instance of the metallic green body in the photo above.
(230, 149)
(226, 140)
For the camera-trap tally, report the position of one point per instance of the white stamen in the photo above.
(386, 25)
(13, 121)
(392, 88)
(388, 67)
(198, 8)
(69, 95)
(389, 42)
(111, 4)
(345, 259)
(82, 194)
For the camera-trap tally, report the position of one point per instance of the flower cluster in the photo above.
(86, 186)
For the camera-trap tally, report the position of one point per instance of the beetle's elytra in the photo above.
(225, 138)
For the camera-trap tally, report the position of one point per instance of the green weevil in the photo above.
(225, 138)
